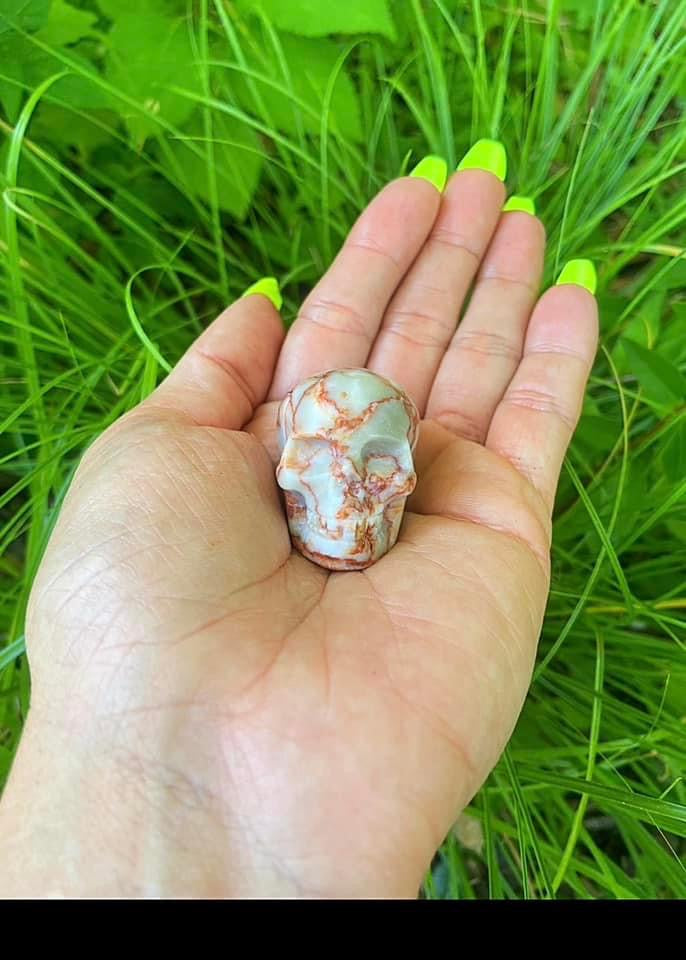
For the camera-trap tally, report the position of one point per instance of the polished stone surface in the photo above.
(347, 439)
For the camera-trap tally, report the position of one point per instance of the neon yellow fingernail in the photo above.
(434, 169)
(268, 287)
(486, 155)
(521, 204)
(581, 272)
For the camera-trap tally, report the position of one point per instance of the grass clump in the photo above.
(156, 157)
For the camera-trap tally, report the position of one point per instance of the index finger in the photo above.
(339, 319)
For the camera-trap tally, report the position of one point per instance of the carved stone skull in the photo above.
(347, 439)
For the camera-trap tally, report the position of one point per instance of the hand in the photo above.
(214, 715)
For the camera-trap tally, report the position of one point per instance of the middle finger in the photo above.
(423, 314)
(339, 319)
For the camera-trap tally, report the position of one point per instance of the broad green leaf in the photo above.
(26, 15)
(237, 163)
(27, 64)
(80, 92)
(29, 177)
(674, 277)
(11, 69)
(611, 307)
(672, 340)
(152, 190)
(677, 528)
(114, 9)
(75, 89)
(66, 24)
(598, 433)
(590, 406)
(65, 127)
(674, 453)
(644, 328)
(310, 64)
(676, 695)
(148, 52)
(661, 381)
(318, 18)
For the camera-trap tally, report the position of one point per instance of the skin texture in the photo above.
(212, 714)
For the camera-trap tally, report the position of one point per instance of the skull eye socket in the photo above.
(384, 455)
(388, 468)
(380, 466)
(303, 451)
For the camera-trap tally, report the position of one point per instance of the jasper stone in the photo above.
(347, 439)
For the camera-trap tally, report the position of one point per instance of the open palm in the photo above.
(337, 723)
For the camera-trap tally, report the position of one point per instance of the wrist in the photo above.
(105, 822)
(87, 815)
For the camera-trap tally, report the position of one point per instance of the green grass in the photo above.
(143, 190)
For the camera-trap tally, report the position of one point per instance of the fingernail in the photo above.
(581, 272)
(268, 287)
(522, 204)
(434, 169)
(486, 155)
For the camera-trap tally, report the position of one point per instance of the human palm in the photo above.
(324, 729)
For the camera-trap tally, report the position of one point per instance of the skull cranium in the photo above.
(347, 439)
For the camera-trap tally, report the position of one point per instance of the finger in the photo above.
(339, 319)
(226, 372)
(487, 346)
(424, 311)
(534, 422)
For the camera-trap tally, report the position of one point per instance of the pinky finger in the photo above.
(534, 422)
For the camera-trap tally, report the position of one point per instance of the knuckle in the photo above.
(464, 424)
(456, 241)
(487, 343)
(509, 283)
(336, 317)
(541, 401)
(416, 328)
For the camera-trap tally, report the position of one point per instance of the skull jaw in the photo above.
(359, 546)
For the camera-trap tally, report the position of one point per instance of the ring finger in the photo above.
(487, 346)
